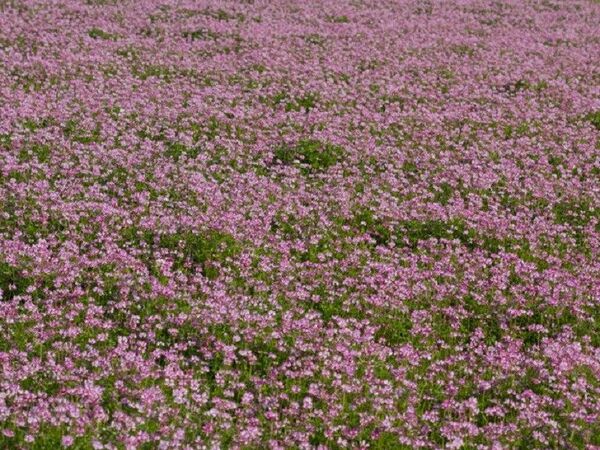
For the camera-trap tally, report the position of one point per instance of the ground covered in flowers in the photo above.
(300, 224)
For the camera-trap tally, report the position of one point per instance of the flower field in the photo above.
(300, 224)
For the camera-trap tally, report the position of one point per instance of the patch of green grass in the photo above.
(366, 221)
(48, 437)
(221, 14)
(369, 64)
(77, 134)
(463, 50)
(594, 118)
(200, 249)
(318, 438)
(589, 327)
(41, 382)
(410, 169)
(511, 131)
(268, 355)
(12, 282)
(575, 213)
(388, 441)
(200, 34)
(176, 150)
(30, 229)
(315, 39)
(334, 307)
(33, 125)
(394, 330)
(5, 140)
(540, 86)
(150, 71)
(110, 286)
(443, 194)
(285, 225)
(315, 155)
(306, 103)
(136, 236)
(97, 33)
(338, 19)
(39, 151)
(391, 99)
(279, 97)
(18, 335)
(481, 315)
(514, 87)
(411, 232)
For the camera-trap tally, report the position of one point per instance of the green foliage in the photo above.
(315, 155)
(315, 39)
(390, 99)
(33, 125)
(515, 87)
(77, 134)
(279, 98)
(176, 150)
(463, 50)
(200, 34)
(318, 438)
(135, 236)
(576, 213)
(594, 119)
(297, 104)
(5, 140)
(152, 70)
(221, 14)
(286, 226)
(443, 194)
(306, 102)
(395, 329)
(97, 33)
(200, 249)
(18, 336)
(411, 232)
(481, 315)
(338, 19)
(365, 221)
(415, 231)
(110, 397)
(540, 85)
(41, 152)
(110, 286)
(41, 382)
(329, 308)
(410, 169)
(12, 282)
(388, 441)
(512, 131)
(268, 355)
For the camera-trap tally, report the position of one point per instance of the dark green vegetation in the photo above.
(315, 156)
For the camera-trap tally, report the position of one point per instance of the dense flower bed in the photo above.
(300, 224)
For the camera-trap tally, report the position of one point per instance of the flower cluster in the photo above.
(299, 224)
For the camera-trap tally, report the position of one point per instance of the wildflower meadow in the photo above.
(299, 224)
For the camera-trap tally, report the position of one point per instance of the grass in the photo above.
(200, 34)
(176, 150)
(97, 33)
(594, 117)
(12, 282)
(314, 155)
(200, 250)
